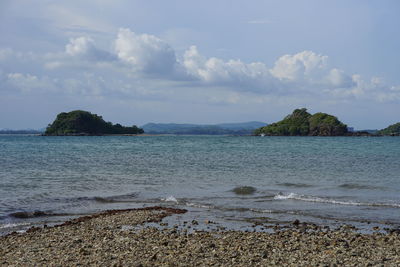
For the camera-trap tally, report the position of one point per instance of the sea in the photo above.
(235, 180)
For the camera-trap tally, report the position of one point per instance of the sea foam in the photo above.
(295, 196)
(170, 199)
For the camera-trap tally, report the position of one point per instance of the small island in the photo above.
(79, 122)
(302, 123)
(392, 130)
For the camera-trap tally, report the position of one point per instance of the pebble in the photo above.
(98, 241)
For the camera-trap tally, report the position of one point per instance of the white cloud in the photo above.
(85, 48)
(339, 79)
(79, 46)
(248, 77)
(145, 52)
(143, 65)
(305, 65)
(305, 71)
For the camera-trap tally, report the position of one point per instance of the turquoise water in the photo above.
(324, 180)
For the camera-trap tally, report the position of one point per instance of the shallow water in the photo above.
(326, 180)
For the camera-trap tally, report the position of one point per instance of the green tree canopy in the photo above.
(322, 124)
(393, 129)
(84, 122)
(301, 123)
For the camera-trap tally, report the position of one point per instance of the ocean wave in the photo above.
(263, 211)
(12, 225)
(170, 199)
(198, 205)
(294, 196)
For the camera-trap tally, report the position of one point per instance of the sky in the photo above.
(186, 61)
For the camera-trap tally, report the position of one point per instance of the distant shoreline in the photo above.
(166, 134)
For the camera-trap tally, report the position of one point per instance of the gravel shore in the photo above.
(118, 238)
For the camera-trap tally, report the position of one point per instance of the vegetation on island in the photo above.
(393, 129)
(79, 122)
(302, 123)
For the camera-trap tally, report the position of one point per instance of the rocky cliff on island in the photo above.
(79, 122)
(302, 123)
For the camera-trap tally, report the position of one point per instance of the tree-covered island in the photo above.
(392, 130)
(302, 123)
(79, 122)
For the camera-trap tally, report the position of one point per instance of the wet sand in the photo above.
(122, 238)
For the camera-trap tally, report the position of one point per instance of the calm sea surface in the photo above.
(326, 180)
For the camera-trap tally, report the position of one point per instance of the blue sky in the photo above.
(199, 61)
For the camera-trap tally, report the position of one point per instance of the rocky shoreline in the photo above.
(128, 238)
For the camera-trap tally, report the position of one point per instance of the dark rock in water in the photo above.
(359, 186)
(26, 214)
(244, 190)
(39, 213)
(104, 200)
(21, 214)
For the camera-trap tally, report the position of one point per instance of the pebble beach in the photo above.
(123, 238)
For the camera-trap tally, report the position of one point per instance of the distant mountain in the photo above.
(242, 125)
(212, 129)
(24, 131)
(370, 131)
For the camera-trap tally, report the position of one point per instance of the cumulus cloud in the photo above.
(309, 69)
(79, 46)
(235, 73)
(139, 63)
(216, 70)
(302, 71)
(304, 65)
(145, 52)
(339, 79)
(85, 48)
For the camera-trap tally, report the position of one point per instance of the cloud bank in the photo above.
(143, 66)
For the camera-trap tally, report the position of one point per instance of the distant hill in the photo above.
(212, 129)
(370, 131)
(302, 123)
(25, 131)
(242, 125)
(79, 122)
